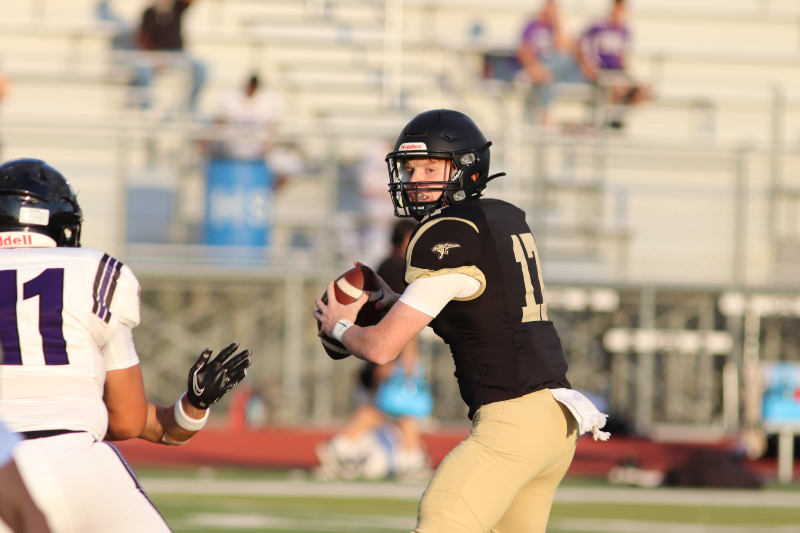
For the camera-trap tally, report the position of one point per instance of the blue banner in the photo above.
(238, 203)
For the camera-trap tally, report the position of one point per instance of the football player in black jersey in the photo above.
(473, 274)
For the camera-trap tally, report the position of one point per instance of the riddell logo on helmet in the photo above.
(413, 146)
(13, 240)
(25, 239)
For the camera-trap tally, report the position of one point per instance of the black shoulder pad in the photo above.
(443, 243)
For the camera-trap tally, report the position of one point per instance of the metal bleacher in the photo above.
(698, 197)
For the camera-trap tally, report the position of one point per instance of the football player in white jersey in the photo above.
(70, 379)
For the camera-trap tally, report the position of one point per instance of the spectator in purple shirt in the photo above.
(545, 53)
(602, 56)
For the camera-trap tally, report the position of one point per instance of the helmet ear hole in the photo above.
(466, 159)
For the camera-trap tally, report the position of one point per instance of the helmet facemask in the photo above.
(459, 181)
(442, 134)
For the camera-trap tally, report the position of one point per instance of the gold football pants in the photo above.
(503, 477)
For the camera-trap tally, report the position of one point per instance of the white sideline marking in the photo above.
(349, 523)
(680, 496)
(283, 488)
(637, 526)
(372, 522)
(410, 491)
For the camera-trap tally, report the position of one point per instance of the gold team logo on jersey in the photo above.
(443, 248)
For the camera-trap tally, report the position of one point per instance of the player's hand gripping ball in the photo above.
(348, 288)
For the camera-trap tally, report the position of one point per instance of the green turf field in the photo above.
(216, 501)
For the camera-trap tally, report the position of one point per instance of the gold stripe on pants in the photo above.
(503, 477)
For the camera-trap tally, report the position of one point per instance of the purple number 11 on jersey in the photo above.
(49, 287)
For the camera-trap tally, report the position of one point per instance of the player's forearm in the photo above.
(384, 341)
(174, 424)
(368, 344)
(380, 343)
(155, 423)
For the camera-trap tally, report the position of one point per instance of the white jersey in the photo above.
(58, 310)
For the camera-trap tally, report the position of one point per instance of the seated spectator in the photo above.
(602, 55)
(243, 156)
(161, 31)
(545, 54)
(246, 120)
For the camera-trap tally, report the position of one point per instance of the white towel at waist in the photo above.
(589, 418)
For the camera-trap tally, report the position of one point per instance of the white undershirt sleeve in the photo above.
(120, 351)
(430, 294)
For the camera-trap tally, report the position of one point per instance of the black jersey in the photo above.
(502, 342)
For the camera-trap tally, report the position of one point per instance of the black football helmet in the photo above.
(36, 197)
(440, 134)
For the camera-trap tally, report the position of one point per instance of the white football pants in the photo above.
(85, 486)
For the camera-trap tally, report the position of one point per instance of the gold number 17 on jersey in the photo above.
(527, 256)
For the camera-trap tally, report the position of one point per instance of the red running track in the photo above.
(293, 447)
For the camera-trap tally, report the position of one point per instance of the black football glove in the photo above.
(209, 380)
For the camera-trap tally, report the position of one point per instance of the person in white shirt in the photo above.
(71, 379)
(247, 119)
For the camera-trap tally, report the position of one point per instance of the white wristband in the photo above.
(339, 329)
(186, 422)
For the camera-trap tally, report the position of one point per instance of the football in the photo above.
(347, 289)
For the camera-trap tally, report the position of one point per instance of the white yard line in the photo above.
(350, 523)
(282, 488)
(672, 496)
(638, 526)
(680, 496)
